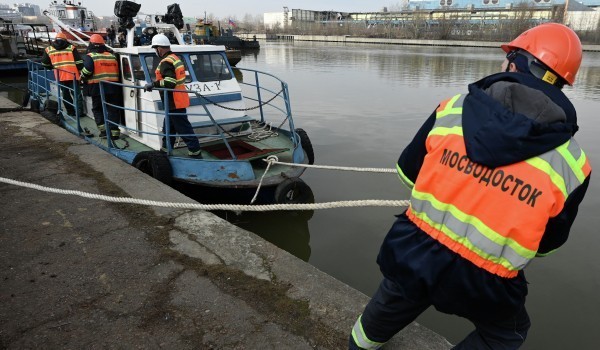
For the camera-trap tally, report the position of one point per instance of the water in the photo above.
(361, 105)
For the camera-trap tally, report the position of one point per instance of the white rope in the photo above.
(330, 167)
(231, 207)
(272, 159)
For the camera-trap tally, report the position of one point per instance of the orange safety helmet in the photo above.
(96, 39)
(60, 35)
(555, 45)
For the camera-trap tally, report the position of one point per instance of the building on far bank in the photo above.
(582, 15)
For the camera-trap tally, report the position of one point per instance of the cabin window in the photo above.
(126, 69)
(153, 61)
(136, 65)
(209, 67)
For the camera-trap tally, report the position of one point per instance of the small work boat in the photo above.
(238, 123)
(68, 14)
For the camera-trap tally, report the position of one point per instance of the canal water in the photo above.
(361, 105)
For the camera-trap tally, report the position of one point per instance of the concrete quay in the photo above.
(386, 41)
(81, 273)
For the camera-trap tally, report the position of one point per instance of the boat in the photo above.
(208, 33)
(233, 56)
(239, 124)
(70, 15)
(20, 42)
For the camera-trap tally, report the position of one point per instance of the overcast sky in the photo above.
(226, 8)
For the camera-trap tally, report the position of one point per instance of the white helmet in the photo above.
(160, 40)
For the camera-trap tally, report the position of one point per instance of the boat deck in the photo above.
(244, 147)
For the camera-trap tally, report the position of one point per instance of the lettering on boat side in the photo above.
(216, 86)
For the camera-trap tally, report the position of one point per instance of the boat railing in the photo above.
(268, 103)
(43, 84)
(266, 91)
(219, 134)
(39, 32)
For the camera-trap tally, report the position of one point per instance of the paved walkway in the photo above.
(78, 273)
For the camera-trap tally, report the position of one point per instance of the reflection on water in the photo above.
(287, 230)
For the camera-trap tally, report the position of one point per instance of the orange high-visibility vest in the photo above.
(106, 68)
(63, 62)
(180, 99)
(495, 218)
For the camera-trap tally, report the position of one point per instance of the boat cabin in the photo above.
(208, 74)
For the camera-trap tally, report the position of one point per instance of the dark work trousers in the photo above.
(388, 312)
(179, 124)
(66, 93)
(113, 113)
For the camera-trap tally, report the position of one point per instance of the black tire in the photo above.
(293, 191)
(35, 105)
(26, 98)
(155, 164)
(306, 145)
(50, 105)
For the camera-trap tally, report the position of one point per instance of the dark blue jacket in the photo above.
(507, 118)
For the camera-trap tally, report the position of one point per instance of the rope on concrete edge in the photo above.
(231, 207)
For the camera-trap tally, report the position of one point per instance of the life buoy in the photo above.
(306, 145)
(155, 164)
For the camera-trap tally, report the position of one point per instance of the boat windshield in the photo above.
(152, 62)
(210, 67)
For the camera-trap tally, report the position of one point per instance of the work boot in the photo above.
(115, 134)
(195, 154)
(102, 130)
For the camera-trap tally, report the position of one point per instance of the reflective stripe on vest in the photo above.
(106, 68)
(361, 339)
(494, 218)
(180, 99)
(64, 63)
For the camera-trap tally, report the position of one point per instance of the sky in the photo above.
(226, 8)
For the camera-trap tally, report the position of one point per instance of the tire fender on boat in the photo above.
(35, 105)
(26, 98)
(306, 145)
(155, 164)
(50, 106)
(293, 191)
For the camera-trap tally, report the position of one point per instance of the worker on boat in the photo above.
(170, 74)
(496, 179)
(65, 59)
(101, 65)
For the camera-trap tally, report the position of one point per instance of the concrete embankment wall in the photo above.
(360, 40)
(84, 271)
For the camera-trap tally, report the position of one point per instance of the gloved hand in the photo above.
(148, 87)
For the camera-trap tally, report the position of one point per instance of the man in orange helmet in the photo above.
(101, 65)
(496, 179)
(65, 59)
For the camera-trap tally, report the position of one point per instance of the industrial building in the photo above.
(583, 15)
